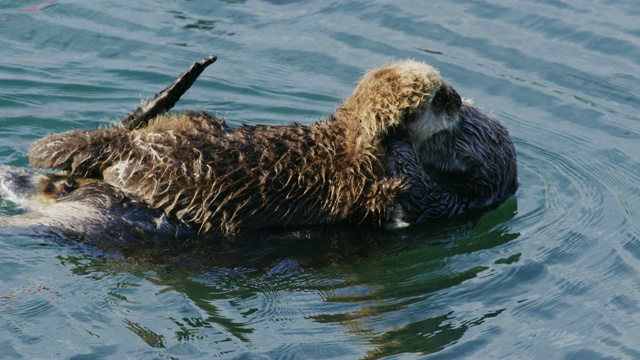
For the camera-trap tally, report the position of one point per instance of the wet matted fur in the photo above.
(194, 168)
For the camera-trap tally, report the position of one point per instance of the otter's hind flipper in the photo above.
(167, 98)
(79, 152)
(85, 152)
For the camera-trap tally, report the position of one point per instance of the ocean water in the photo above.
(554, 273)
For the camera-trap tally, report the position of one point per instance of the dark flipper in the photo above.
(86, 152)
(167, 98)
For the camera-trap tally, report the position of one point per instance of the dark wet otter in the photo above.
(469, 166)
(402, 149)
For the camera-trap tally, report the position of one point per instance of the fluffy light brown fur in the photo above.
(386, 96)
(194, 168)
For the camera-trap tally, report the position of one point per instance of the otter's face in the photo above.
(439, 111)
(92, 210)
(31, 189)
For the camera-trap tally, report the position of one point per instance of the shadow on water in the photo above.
(376, 285)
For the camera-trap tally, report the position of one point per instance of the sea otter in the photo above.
(469, 166)
(403, 148)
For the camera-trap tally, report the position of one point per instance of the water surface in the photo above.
(552, 273)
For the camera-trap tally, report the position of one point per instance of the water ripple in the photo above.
(551, 273)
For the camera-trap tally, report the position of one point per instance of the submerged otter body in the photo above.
(403, 148)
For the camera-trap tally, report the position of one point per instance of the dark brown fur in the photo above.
(195, 169)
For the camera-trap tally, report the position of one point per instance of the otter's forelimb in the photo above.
(424, 200)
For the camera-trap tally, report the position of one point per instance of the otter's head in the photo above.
(404, 93)
(80, 208)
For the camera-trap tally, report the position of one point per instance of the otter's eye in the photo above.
(446, 99)
(438, 100)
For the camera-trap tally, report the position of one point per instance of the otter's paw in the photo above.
(383, 193)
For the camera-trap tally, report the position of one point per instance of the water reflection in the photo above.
(388, 289)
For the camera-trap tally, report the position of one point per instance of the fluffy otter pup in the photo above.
(345, 169)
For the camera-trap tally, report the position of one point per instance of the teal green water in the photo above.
(553, 273)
